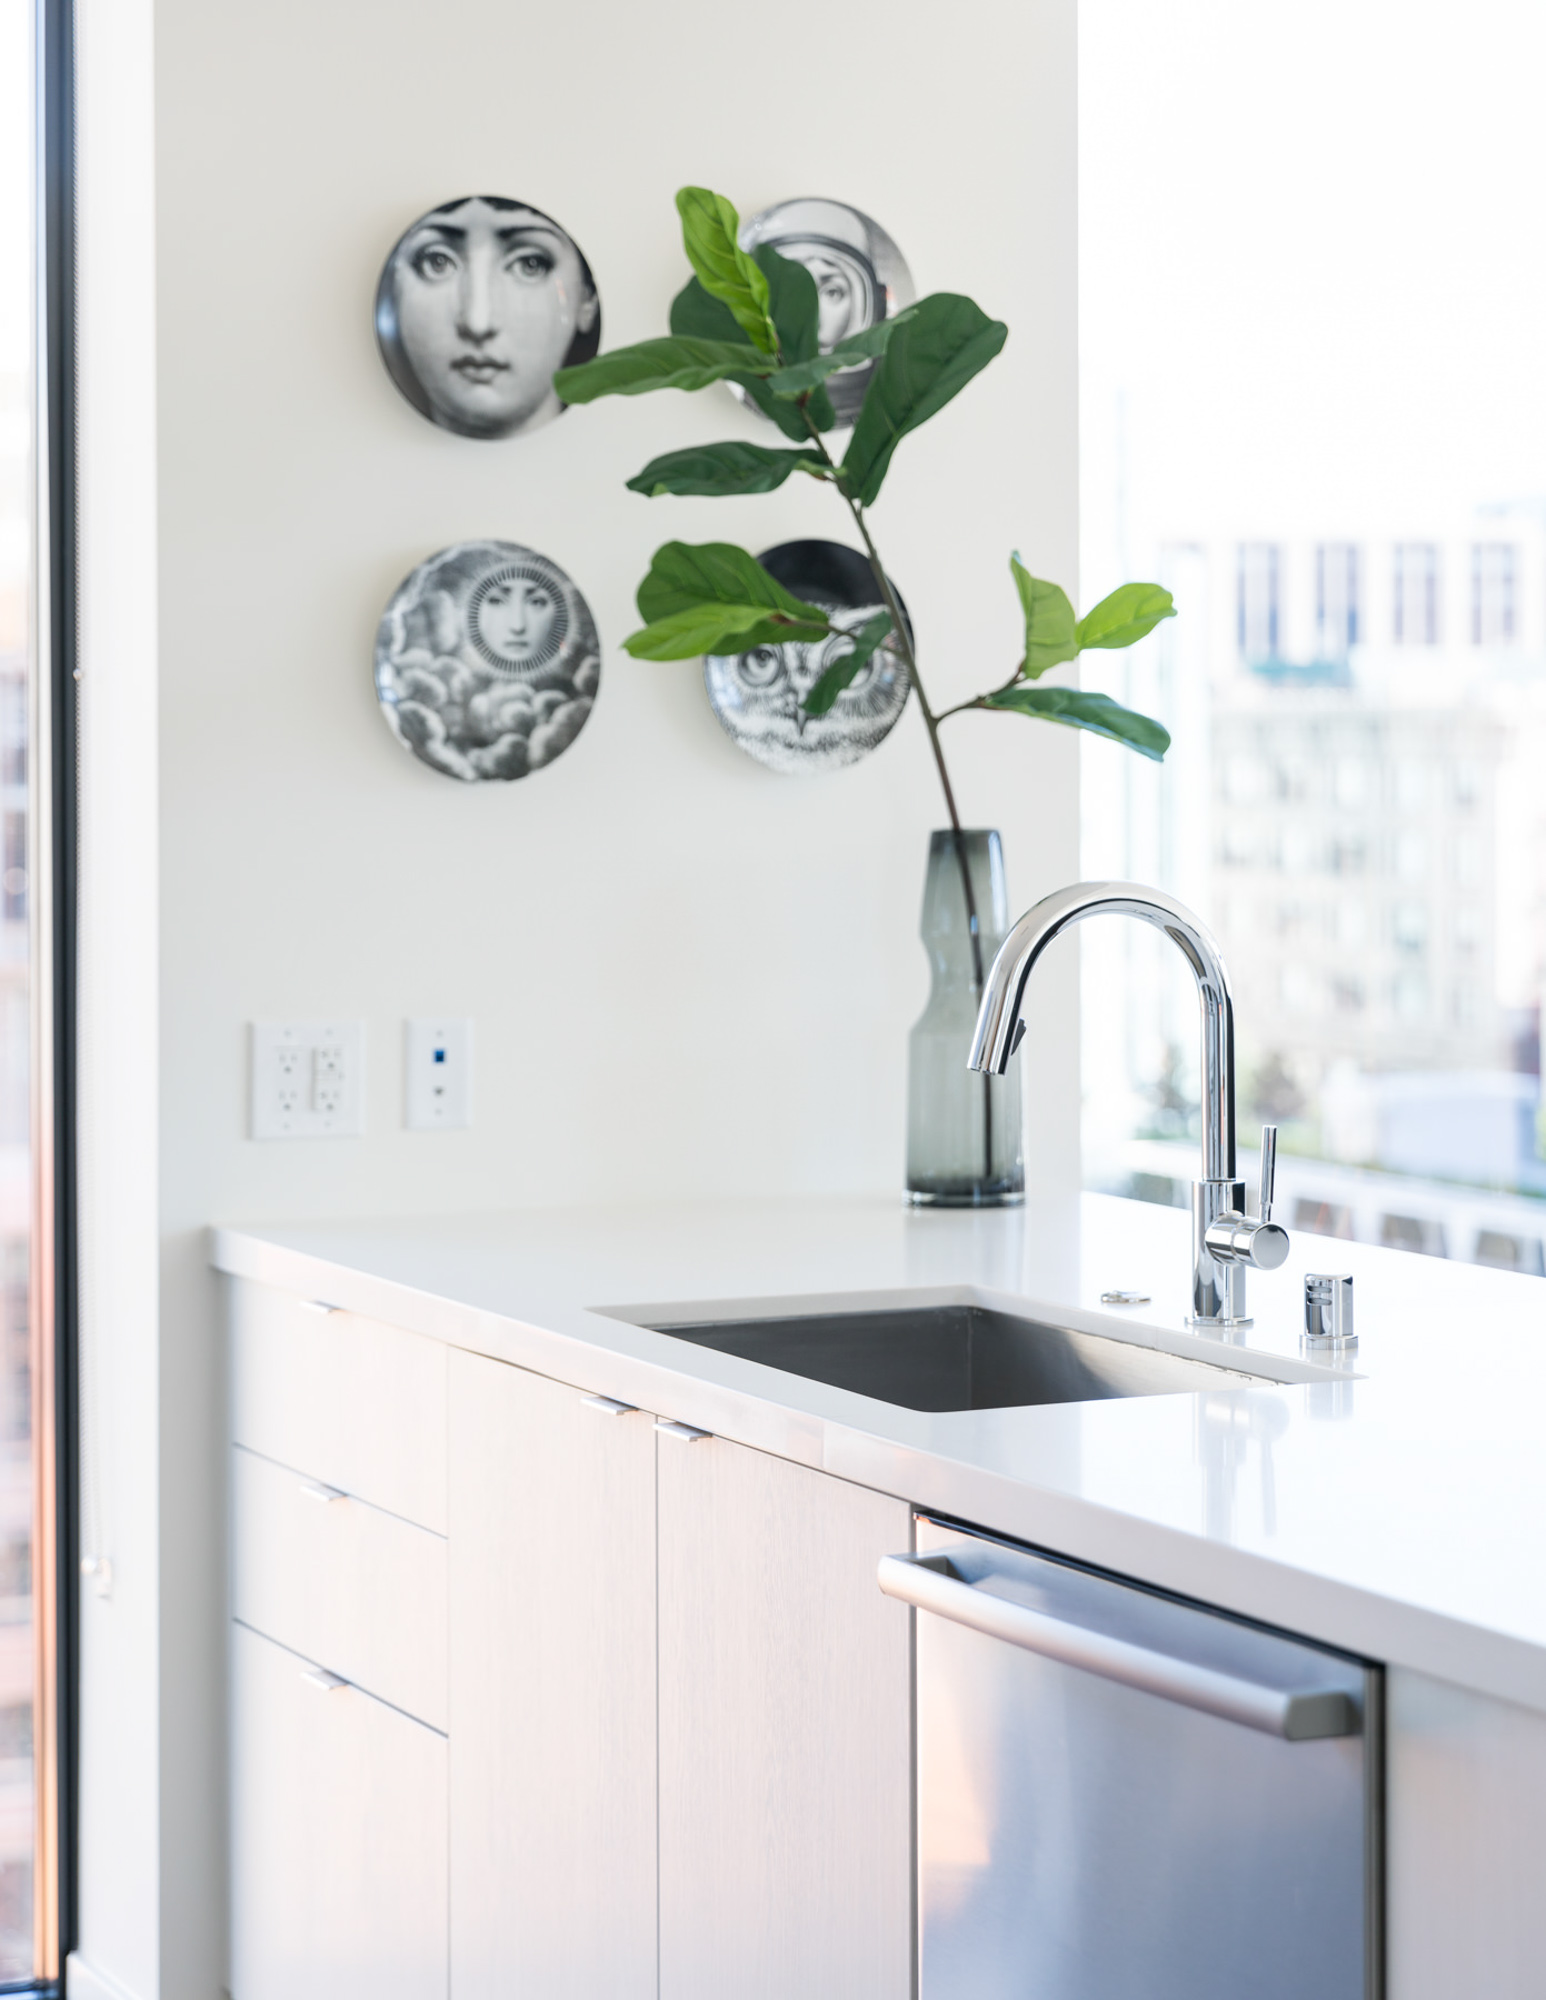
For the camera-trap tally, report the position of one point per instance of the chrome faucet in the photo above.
(1224, 1239)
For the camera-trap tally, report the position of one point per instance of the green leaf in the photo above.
(847, 354)
(792, 303)
(722, 469)
(1097, 713)
(941, 344)
(709, 227)
(696, 314)
(684, 576)
(667, 363)
(867, 639)
(796, 313)
(1049, 622)
(1126, 616)
(699, 317)
(713, 597)
(716, 628)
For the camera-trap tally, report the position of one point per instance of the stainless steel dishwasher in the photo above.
(1126, 1797)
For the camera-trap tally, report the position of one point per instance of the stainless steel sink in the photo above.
(954, 1357)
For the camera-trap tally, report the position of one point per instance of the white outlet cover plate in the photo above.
(308, 1079)
(437, 1083)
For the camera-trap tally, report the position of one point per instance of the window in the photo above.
(1345, 432)
(1492, 594)
(1257, 598)
(1337, 626)
(35, 1281)
(1415, 614)
(1410, 855)
(1409, 929)
(1411, 785)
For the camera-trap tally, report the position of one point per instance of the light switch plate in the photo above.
(437, 1093)
(308, 1079)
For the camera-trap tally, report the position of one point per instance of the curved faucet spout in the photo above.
(999, 1021)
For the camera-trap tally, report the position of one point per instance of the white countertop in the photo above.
(1398, 1511)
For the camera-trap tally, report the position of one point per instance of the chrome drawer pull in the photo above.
(930, 1583)
(315, 1490)
(322, 1680)
(684, 1433)
(319, 1306)
(607, 1406)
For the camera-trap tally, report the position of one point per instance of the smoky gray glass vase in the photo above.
(964, 1141)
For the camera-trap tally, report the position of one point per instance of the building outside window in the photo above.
(1257, 601)
(1415, 604)
(1492, 593)
(1355, 799)
(1338, 626)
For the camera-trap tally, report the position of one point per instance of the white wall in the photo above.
(689, 976)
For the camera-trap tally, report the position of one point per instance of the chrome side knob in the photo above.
(1235, 1239)
(1328, 1310)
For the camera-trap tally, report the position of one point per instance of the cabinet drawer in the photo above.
(339, 1838)
(356, 1589)
(354, 1402)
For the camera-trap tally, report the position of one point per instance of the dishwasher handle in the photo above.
(930, 1583)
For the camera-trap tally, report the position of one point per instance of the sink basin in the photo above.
(954, 1357)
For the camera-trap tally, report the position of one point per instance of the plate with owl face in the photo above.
(757, 694)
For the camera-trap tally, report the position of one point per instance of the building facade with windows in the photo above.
(1354, 801)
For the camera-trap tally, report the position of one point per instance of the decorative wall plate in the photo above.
(757, 694)
(861, 276)
(477, 306)
(487, 661)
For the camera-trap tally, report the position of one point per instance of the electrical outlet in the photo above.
(328, 1075)
(437, 1095)
(308, 1079)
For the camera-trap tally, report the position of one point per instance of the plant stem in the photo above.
(905, 645)
(898, 623)
(931, 723)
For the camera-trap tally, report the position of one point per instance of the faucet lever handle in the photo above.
(1269, 1170)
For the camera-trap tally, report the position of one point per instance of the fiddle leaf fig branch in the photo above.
(716, 598)
(867, 642)
(751, 319)
(720, 469)
(710, 237)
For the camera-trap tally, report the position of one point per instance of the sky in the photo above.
(1312, 278)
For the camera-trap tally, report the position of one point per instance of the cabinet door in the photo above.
(338, 1838)
(552, 1552)
(341, 1582)
(785, 1733)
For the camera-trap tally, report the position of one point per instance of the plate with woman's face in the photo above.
(861, 277)
(487, 661)
(480, 302)
(757, 694)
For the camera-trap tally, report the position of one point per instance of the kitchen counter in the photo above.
(1393, 1504)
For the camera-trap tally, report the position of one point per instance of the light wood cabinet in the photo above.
(338, 1838)
(677, 1759)
(346, 1399)
(342, 1582)
(785, 1730)
(552, 1691)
